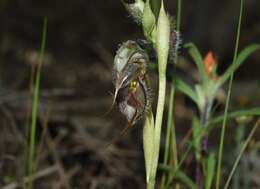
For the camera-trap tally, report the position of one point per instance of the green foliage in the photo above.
(232, 115)
(208, 87)
(170, 127)
(211, 162)
(242, 56)
(196, 131)
(156, 28)
(241, 152)
(186, 89)
(179, 175)
(159, 34)
(235, 62)
(35, 105)
(195, 54)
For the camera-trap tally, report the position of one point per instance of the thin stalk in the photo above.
(172, 94)
(204, 121)
(179, 165)
(241, 153)
(189, 147)
(174, 146)
(239, 137)
(178, 24)
(27, 123)
(220, 153)
(162, 48)
(174, 143)
(35, 105)
(205, 113)
(158, 121)
(168, 133)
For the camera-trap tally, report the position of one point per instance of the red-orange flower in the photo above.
(209, 63)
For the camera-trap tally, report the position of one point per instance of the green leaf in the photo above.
(195, 54)
(210, 170)
(196, 133)
(238, 62)
(180, 175)
(201, 98)
(250, 112)
(185, 179)
(186, 89)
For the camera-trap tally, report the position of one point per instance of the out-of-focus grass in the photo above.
(35, 106)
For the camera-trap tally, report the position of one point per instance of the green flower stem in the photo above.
(158, 120)
(163, 38)
(173, 131)
(152, 135)
(204, 117)
(170, 133)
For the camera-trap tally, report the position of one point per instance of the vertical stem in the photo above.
(174, 146)
(170, 124)
(203, 144)
(178, 25)
(158, 120)
(162, 48)
(239, 136)
(173, 131)
(168, 133)
(220, 153)
(203, 121)
(35, 104)
(150, 184)
(199, 176)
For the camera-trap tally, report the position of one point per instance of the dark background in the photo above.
(82, 39)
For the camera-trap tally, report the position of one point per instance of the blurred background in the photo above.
(82, 38)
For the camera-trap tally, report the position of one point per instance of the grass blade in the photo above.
(210, 170)
(240, 59)
(241, 153)
(35, 105)
(180, 175)
(250, 112)
(186, 89)
(220, 153)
